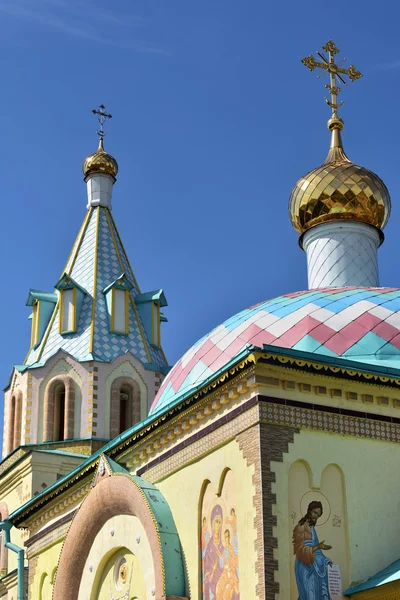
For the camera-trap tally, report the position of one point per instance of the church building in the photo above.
(260, 467)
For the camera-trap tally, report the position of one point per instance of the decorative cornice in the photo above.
(318, 366)
(60, 506)
(162, 430)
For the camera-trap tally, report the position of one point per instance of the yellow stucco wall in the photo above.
(44, 575)
(183, 491)
(371, 495)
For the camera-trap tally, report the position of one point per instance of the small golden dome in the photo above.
(100, 162)
(337, 190)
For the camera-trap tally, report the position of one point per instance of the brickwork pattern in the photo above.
(28, 409)
(91, 396)
(201, 446)
(260, 445)
(54, 534)
(318, 420)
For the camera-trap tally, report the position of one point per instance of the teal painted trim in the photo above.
(9, 380)
(66, 282)
(145, 310)
(333, 361)
(88, 439)
(154, 296)
(387, 575)
(121, 283)
(62, 453)
(153, 367)
(169, 538)
(164, 369)
(114, 466)
(39, 295)
(45, 313)
(351, 365)
(91, 461)
(144, 303)
(6, 527)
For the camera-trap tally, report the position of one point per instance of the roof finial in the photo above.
(335, 71)
(102, 117)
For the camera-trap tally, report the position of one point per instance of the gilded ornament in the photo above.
(100, 162)
(338, 189)
(310, 62)
(331, 47)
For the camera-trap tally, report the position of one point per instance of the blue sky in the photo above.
(214, 120)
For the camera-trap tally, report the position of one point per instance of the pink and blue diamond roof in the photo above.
(359, 324)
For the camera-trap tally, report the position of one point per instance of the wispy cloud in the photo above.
(70, 18)
(388, 66)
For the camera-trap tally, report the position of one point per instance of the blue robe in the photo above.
(312, 581)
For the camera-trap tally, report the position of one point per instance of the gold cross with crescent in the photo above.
(334, 70)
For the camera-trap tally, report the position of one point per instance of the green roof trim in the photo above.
(114, 466)
(35, 295)
(177, 400)
(92, 460)
(67, 282)
(333, 361)
(154, 296)
(164, 369)
(387, 575)
(122, 282)
(62, 453)
(169, 538)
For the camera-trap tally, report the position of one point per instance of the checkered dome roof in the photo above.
(360, 324)
(97, 260)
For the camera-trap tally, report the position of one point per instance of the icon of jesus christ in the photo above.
(311, 565)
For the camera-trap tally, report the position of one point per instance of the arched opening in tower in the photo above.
(125, 412)
(59, 413)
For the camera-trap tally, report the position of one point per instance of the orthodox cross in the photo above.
(102, 117)
(334, 70)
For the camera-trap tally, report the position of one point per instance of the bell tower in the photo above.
(95, 360)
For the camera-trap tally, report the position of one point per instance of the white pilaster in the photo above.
(99, 189)
(342, 254)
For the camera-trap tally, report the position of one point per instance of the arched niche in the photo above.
(331, 526)
(124, 405)
(14, 421)
(56, 368)
(219, 539)
(59, 409)
(125, 568)
(113, 498)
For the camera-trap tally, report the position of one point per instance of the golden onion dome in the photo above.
(339, 190)
(100, 162)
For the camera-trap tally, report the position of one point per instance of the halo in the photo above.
(326, 507)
